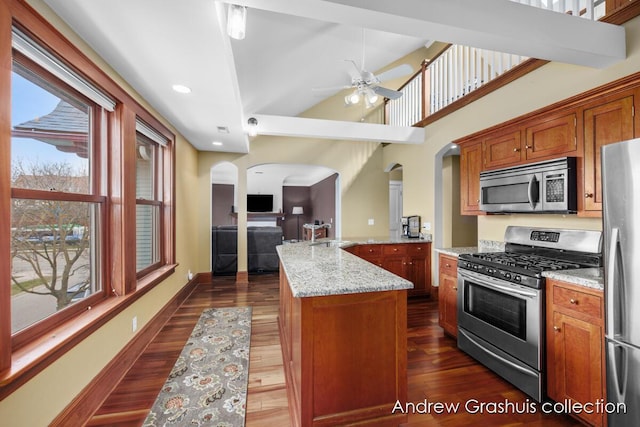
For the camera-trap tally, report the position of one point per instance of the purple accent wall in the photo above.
(295, 196)
(221, 202)
(318, 202)
(323, 201)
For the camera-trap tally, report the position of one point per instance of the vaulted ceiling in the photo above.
(294, 46)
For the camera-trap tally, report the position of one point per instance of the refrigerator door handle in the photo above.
(618, 360)
(614, 290)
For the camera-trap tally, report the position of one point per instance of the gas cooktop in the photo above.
(529, 252)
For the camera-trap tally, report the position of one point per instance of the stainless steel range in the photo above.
(501, 310)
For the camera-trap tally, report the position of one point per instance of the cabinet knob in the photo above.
(447, 265)
(515, 150)
(455, 288)
(528, 147)
(573, 301)
(588, 195)
(395, 249)
(556, 328)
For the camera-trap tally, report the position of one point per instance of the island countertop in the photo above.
(323, 268)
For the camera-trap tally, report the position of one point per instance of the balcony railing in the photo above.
(460, 70)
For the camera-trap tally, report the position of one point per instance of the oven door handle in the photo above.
(512, 290)
(496, 356)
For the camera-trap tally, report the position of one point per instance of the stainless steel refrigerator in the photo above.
(621, 216)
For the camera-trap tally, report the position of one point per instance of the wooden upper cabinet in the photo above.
(504, 149)
(604, 124)
(551, 138)
(470, 168)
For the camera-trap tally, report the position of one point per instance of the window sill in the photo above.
(36, 356)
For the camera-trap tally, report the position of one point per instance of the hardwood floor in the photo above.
(438, 371)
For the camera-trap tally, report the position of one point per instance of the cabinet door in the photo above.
(502, 150)
(552, 138)
(603, 124)
(448, 304)
(574, 361)
(396, 265)
(470, 168)
(417, 272)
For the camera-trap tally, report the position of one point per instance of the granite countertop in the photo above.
(587, 277)
(483, 246)
(323, 268)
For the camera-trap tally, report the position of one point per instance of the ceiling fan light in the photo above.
(352, 98)
(372, 97)
(236, 21)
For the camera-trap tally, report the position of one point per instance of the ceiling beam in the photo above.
(337, 130)
(500, 25)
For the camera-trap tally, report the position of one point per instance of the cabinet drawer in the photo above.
(448, 265)
(580, 302)
(418, 249)
(367, 251)
(394, 249)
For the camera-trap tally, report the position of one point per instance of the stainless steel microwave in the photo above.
(542, 187)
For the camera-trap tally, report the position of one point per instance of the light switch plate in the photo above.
(371, 221)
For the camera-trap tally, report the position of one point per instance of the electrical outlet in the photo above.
(134, 324)
(371, 221)
(426, 226)
(189, 275)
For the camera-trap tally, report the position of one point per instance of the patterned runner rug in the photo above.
(208, 383)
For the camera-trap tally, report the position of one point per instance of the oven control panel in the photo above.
(545, 236)
(498, 273)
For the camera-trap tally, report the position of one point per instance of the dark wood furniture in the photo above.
(575, 346)
(576, 127)
(320, 233)
(448, 294)
(345, 357)
(411, 261)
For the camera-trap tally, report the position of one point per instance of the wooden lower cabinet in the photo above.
(575, 346)
(448, 294)
(345, 357)
(411, 261)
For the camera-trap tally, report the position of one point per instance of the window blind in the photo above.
(41, 56)
(150, 133)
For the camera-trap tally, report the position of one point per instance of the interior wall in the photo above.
(221, 204)
(293, 195)
(323, 201)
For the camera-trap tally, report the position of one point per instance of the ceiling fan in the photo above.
(366, 85)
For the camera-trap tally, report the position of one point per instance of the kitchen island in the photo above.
(343, 331)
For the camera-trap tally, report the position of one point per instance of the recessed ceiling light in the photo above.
(217, 143)
(181, 89)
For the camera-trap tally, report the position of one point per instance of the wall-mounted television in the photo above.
(259, 202)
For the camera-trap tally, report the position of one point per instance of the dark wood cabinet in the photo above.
(345, 356)
(408, 260)
(577, 127)
(575, 346)
(550, 137)
(502, 150)
(605, 123)
(448, 294)
(471, 162)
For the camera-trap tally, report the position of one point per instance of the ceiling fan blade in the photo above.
(399, 71)
(354, 72)
(387, 93)
(330, 88)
